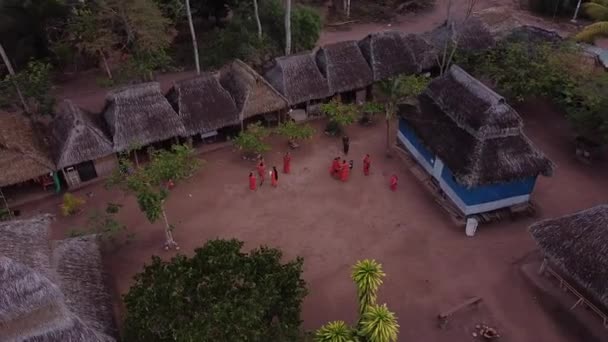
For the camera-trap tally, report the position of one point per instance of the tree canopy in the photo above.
(218, 294)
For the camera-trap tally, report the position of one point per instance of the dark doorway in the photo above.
(86, 171)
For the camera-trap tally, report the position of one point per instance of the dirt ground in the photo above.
(430, 263)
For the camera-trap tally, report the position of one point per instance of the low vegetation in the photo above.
(252, 140)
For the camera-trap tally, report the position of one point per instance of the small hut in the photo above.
(251, 92)
(575, 248)
(140, 115)
(345, 69)
(203, 105)
(471, 142)
(51, 291)
(298, 78)
(388, 55)
(473, 35)
(24, 157)
(81, 147)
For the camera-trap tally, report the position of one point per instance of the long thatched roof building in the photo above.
(344, 66)
(139, 115)
(23, 155)
(577, 245)
(78, 136)
(203, 104)
(388, 55)
(298, 78)
(477, 139)
(252, 94)
(51, 292)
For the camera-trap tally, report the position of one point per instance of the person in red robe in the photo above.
(274, 177)
(261, 171)
(393, 182)
(367, 163)
(344, 171)
(287, 163)
(252, 181)
(335, 167)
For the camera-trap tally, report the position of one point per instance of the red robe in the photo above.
(367, 163)
(274, 181)
(344, 172)
(261, 172)
(394, 183)
(252, 182)
(335, 168)
(286, 164)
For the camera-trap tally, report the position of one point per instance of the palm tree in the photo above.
(336, 331)
(598, 11)
(193, 34)
(378, 324)
(367, 275)
(397, 90)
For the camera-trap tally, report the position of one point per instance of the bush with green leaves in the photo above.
(218, 294)
(339, 115)
(294, 131)
(35, 84)
(252, 139)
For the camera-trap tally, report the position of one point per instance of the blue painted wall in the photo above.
(413, 139)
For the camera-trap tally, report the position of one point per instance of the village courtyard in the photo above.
(430, 264)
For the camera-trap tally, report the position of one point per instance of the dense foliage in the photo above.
(339, 115)
(294, 131)
(556, 72)
(219, 294)
(252, 140)
(34, 81)
(597, 10)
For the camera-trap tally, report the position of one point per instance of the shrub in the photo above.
(35, 84)
(71, 204)
(339, 115)
(294, 131)
(251, 140)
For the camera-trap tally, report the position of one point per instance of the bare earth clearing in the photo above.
(430, 263)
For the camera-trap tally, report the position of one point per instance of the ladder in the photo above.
(5, 204)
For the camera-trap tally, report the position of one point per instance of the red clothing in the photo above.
(286, 164)
(367, 163)
(335, 168)
(344, 172)
(274, 180)
(394, 181)
(261, 172)
(252, 182)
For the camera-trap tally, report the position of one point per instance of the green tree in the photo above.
(305, 28)
(293, 131)
(218, 294)
(397, 90)
(339, 115)
(251, 140)
(376, 323)
(598, 11)
(149, 183)
(34, 82)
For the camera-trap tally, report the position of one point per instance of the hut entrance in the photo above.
(80, 173)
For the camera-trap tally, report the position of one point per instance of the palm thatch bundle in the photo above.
(78, 136)
(344, 66)
(23, 156)
(298, 78)
(252, 94)
(577, 245)
(51, 291)
(472, 35)
(474, 132)
(203, 104)
(139, 115)
(388, 55)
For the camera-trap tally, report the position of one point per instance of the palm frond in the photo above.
(589, 33)
(336, 331)
(367, 275)
(378, 324)
(595, 11)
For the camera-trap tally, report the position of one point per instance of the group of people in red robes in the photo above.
(274, 174)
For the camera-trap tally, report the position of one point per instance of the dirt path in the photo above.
(430, 263)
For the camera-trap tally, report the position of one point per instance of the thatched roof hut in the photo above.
(388, 55)
(23, 156)
(473, 35)
(344, 66)
(423, 52)
(51, 291)
(298, 78)
(139, 115)
(78, 136)
(475, 132)
(203, 104)
(578, 245)
(252, 94)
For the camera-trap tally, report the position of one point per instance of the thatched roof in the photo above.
(344, 66)
(388, 55)
(139, 115)
(533, 35)
(298, 78)
(423, 52)
(473, 35)
(578, 245)
(252, 94)
(51, 292)
(23, 156)
(203, 104)
(78, 136)
(476, 134)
